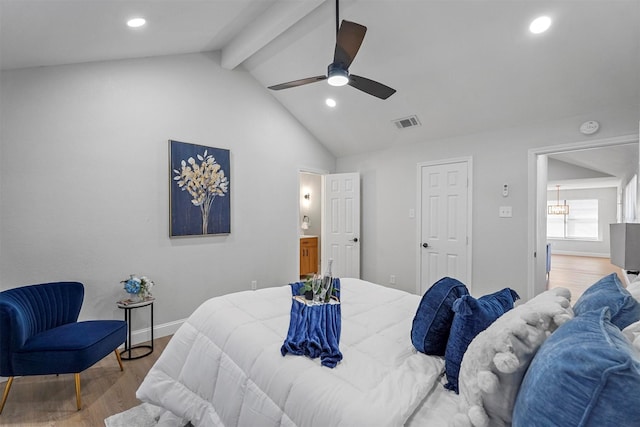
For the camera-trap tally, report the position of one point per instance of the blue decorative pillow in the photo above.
(431, 324)
(472, 316)
(585, 374)
(609, 292)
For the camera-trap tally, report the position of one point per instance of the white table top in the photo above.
(127, 303)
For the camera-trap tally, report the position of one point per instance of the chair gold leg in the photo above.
(78, 400)
(6, 393)
(119, 359)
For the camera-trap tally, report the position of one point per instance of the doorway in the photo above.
(539, 265)
(310, 223)
(329, 223)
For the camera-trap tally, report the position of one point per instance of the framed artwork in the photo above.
(200, 191)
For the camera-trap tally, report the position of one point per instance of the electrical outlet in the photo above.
(254, 285)
(505, 212)
(392, 279)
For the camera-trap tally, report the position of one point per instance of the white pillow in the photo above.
(495, 363)
(634, 289)
(632, 332)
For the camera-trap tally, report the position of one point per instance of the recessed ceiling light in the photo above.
(540, 24)
(136, 22)
(330, 102)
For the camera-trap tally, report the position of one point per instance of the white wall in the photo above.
(500, 249)
(85, 179)
(558, 170)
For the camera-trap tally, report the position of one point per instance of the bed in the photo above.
(224, 366)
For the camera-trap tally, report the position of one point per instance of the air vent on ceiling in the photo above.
(407, 122)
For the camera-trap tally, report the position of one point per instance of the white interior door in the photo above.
(341, 229)
(444, 222)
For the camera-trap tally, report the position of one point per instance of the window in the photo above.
(580, 224)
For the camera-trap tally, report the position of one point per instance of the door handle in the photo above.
(425, 245)
(354, 240)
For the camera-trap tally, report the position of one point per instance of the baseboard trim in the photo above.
(575, 253)
(143, 335)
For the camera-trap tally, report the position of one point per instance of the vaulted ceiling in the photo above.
(460, 66)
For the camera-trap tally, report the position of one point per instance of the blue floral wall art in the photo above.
(200, 190)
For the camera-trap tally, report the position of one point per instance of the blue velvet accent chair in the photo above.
(40, 334)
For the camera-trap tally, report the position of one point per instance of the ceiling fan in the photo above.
(349, 36)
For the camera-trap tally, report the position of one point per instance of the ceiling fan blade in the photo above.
(371, 87)
(348, 42)
(296, 83)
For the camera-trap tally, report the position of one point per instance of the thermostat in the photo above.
(589, 127)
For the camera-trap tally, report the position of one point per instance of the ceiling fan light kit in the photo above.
(337, 75)
(349, 37)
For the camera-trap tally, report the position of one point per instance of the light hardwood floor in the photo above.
(49, 400)
(577, 273)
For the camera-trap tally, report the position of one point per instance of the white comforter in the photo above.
(223, 367)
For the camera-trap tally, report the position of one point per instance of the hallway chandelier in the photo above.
(558, 209)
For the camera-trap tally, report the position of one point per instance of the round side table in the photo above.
(127, 307)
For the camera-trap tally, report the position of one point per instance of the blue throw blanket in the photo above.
(314, 330)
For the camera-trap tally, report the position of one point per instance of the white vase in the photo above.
(136, 297)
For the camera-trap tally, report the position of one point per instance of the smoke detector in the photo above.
(590, 127)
